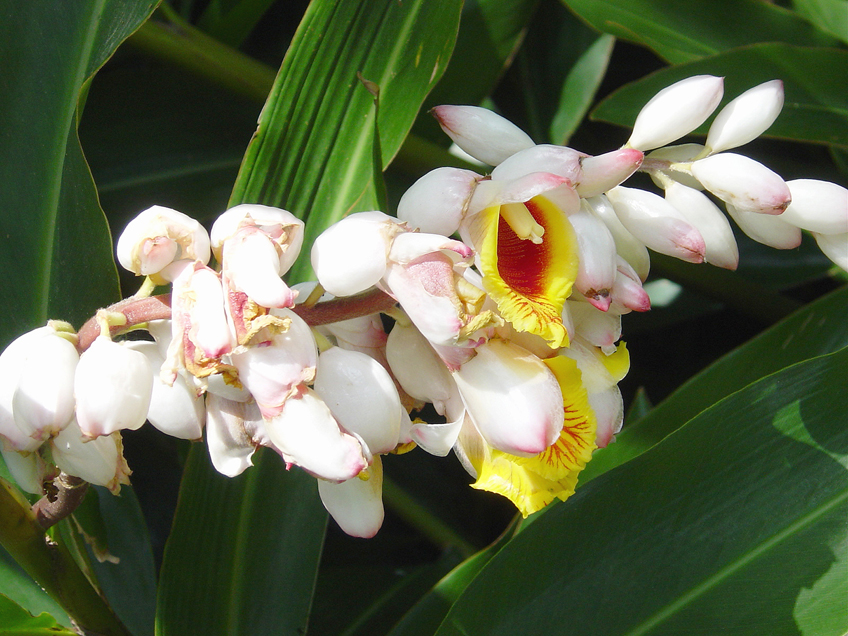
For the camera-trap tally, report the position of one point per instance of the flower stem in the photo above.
(51, 565)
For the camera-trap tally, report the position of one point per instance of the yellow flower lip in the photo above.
(529, 276)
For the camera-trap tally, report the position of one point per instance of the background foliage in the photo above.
(723, 507)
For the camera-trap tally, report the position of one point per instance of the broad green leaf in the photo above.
(580, 87)
(128, 576)
(243, 553)
(18, 586)
(831, 16)
(733, 525)
(817, 329)
(313, 152)
(16, 621)
(685, 30)
(55, 251)
(816, 104)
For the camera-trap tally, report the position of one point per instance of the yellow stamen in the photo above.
(522, 222)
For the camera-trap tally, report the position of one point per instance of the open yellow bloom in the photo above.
(531, 483)
(528, 257)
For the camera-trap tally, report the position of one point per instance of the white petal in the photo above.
(601, 328)
(627, 246)
(513, 398)
(99, 461)
(559, 160)
(175, 410)
(113, 385)
(835, 247)
(696, 207)
(417, 368)
(597, 258)
(743, 183)
(228, 427)
(767, 229)
(350, 256)
(746, 117)
(26, 469)
(158, 236)
(657, 224)
(309, 435)
(356, 504)
(252, 265)
(438, 439)
(362, 397)
(437, 202)
(280, 225)
(481, 133)
(12, 362)
(676, 111)
(817, 206)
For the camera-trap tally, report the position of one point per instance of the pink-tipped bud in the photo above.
(767, 229)
(596, 258)
(746, 117)
(713, 225)
(604, 172)
(627, 246)
(481, 133)
(745, 184)
(627, 289)
(676, 111)
(817, 206)
(657, 223)
(437, 202)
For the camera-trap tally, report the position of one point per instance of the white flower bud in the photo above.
(481, 133)
(362, 397)
(43, 402)
(600, 328)
(437, 202)
(99, 461)
(627, 289)
(559, 160)
(356, 504)
(817, 206)
(657, 224)
(596, 260)
(281, 226)
(767, 229)
(512, 397)
(175, 410)
(676, 111)
(308, 435)
(835, 247)
(252, 265)
(696, 207)
(628, 246)
(606, 171)
(746, 117)
(157, 237)
(113, 385)
(351, 256)
(745, 184)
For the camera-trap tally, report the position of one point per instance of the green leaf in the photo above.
(815, 108)
(817, 329)
(18, 586)
(313, 152)
(733, 525)
(580, 88)
(685, 30)
(55, 250)
(16, 621)
(831, 16)
(231, 21)
(242, 553)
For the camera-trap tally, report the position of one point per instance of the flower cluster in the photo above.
(510, 329)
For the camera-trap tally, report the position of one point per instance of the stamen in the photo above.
(522, 222)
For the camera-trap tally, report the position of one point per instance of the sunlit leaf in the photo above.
(830, 16)
(685, 30)
(816, 105)
(16, 621)
(734, 524)
(55, 251)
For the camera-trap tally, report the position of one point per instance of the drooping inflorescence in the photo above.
(510, 330)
